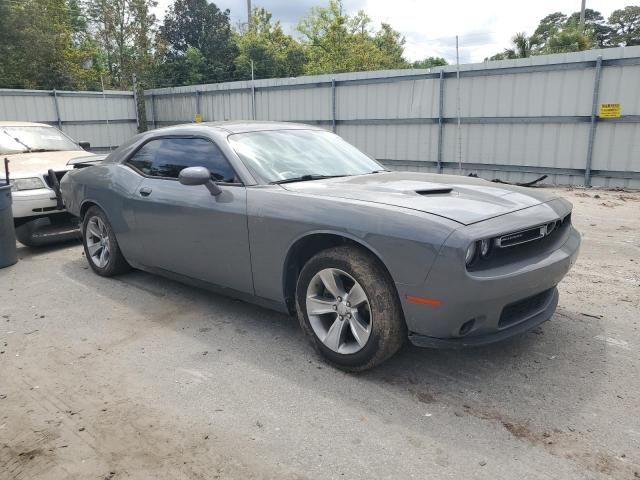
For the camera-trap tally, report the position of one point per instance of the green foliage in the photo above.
(430, 62)
(522, 46)
(625, 24)
(198, 25)
(559, 33)
(548, 27)
(38, 48)
(123, 29)
(83, 44)
(569, 39)
(595, 26)
(274, 53)
(337, 42)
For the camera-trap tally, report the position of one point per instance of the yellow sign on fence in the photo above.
(610, 110)
(198, 118)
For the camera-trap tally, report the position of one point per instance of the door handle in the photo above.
(145, 191)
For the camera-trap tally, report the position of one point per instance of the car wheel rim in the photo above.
(98, 243)
(338, 310)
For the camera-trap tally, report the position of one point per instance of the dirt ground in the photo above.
(140, 377)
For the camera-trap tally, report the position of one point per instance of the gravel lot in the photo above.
(140, 377)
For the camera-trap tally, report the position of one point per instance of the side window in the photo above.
(143, 158)
(166, 157)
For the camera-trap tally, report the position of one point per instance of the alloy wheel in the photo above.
(98, 243)
(338, 311)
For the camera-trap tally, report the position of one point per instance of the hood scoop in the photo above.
(434, 191)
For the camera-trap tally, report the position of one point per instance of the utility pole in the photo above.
(584, 2)
(248, 14)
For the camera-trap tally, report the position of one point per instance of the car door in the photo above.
(184, 229)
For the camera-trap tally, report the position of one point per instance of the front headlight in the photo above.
(471, 254)
(33, 183)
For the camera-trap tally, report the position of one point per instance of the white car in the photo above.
(39, 157)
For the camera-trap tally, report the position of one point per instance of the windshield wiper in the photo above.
(305, 178)
(18, 141)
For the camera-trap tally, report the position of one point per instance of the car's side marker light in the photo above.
(424, 301)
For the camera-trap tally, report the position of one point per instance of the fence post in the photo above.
(441, 121)
(333, 105)
(594, 121)
(198, 104)
(153, 111)
(135, 101)
(55, 102)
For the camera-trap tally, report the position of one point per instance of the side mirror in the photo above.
(199, 176)
(85, 145)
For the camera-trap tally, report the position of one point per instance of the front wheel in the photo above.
(100, 244)
(348, 306)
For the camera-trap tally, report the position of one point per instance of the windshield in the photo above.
(278, 155)
(33, 139)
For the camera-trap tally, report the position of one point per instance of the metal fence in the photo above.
(103, 119)
(519, 119)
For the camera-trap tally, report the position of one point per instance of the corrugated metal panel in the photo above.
(30, 108)
(529, 115)
(83, 115)
(520, 118)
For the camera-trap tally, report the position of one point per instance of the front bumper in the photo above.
(30, 203)
(529, 323)
(481, 307)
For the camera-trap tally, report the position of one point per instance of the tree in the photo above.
(430, 62)
(595, 26)
(569, 39)
(548, 27)
(559, 33)
(391, 44)
(274, 54)
(202, 26)
(523, 46)
(337, 42)
(124, 30)
(37, 47)
(625, 24)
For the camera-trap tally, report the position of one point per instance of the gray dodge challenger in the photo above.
(293, 218)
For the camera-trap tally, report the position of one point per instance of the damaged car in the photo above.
(38, 157)
(296, 219)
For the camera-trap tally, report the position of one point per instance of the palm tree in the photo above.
(523, 46)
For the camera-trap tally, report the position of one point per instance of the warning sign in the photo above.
(610, 110)
(198, 118)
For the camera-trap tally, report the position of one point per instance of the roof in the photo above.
(242, 126)
(22, 124)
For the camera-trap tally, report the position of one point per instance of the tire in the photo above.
(370, 332)
(98, 235)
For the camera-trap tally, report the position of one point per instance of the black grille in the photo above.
(523, 309)
(59, 176)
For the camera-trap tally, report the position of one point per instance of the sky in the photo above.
(430, 26)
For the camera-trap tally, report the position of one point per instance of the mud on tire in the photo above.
(387, 327)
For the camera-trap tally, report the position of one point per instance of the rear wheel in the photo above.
(100, 244)
(348, 306)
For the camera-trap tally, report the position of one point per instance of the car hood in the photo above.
(23, 165)
(465, 200)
